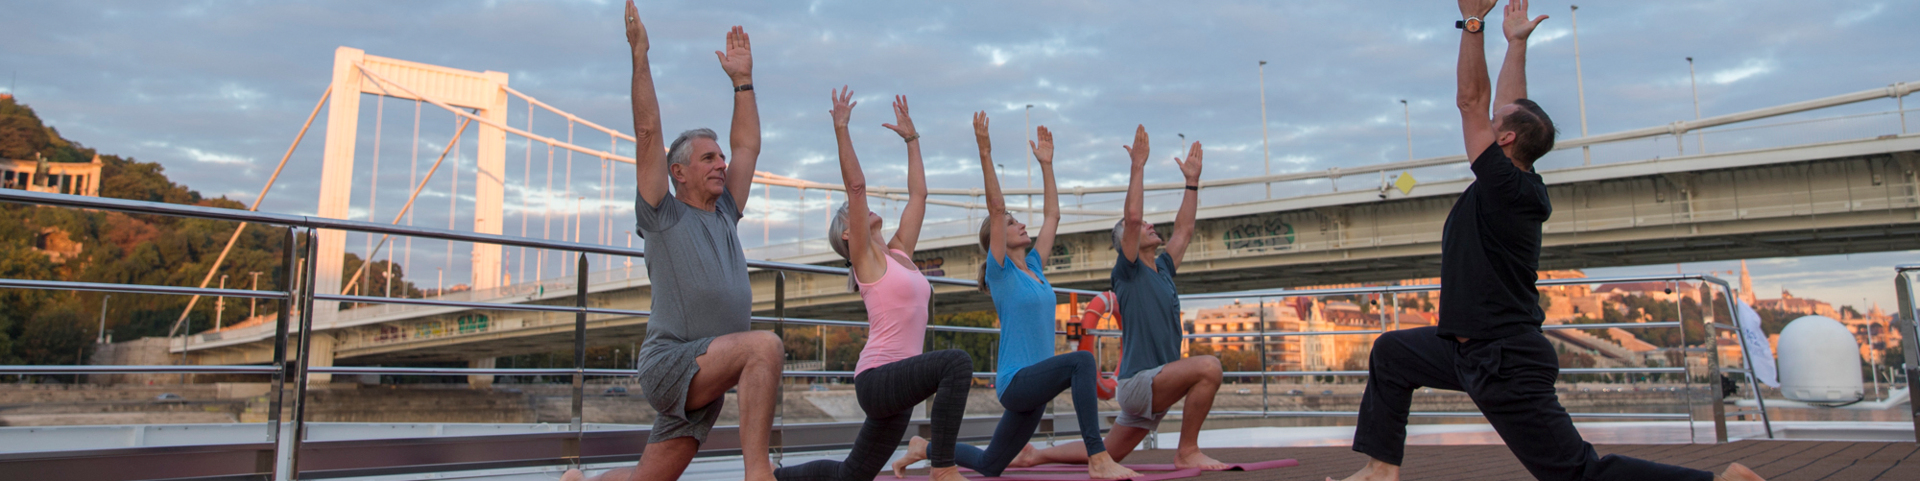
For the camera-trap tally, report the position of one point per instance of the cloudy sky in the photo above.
(215, 91)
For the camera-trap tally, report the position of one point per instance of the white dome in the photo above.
(1819, 362)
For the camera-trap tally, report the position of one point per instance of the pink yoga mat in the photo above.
(1061, 468)
(1082, 476)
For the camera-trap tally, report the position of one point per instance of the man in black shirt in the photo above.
(1488, 341)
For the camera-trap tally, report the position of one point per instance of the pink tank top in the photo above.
(896, 315)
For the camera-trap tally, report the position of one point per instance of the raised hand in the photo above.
(1043, 150)
(636, 32)
(737, 59)
(1139, 148)
(842, 107)
(1191, 166)
(1476, 8)
(902, 124)
(1515, 22)
(980, 131)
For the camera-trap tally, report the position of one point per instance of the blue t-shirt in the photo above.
(1149, 313)
(1025, 306)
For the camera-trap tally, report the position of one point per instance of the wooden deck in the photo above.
(1775, 460)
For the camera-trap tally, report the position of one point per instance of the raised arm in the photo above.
(1474, 94)
(996, 206)
(649, 157)
(744, 135)
(1050, 218)
(1189, 206)
(1513, 71)
(859, 231)
(908, 234)
(1133, 214)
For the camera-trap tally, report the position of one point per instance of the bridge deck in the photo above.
(1775, 460)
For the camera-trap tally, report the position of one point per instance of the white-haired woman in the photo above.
(893, 375)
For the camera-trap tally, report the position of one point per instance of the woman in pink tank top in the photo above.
(893, 375)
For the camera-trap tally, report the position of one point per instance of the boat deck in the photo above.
(1775, 460)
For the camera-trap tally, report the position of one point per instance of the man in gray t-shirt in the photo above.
(1152, 374)
(698, 343)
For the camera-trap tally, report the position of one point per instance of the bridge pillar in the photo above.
(322, 356)
(482, 381)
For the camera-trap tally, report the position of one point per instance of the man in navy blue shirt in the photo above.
(1488, 341)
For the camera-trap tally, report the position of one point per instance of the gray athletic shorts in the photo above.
(1136, 401)
(666, 371)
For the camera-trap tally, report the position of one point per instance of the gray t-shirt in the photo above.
(698, 270)
(1149, 314)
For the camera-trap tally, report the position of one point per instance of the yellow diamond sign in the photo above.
(1404, 183)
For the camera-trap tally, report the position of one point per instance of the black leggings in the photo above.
(1026, 400)
(888, 394)
(1511, 380)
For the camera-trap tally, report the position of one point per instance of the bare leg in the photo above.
(749, 361)
(666, 459)
(1737, 472)
(1375, 470)
(1197, 379)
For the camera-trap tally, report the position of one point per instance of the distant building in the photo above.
(76, 178)
(1798, 305)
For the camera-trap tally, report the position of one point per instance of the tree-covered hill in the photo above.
(59, 327)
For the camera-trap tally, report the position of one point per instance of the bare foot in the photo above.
(1736, 472)
(1027, 458)
(916, 451)
(1102, 466)
(1375, 470)
(573, 475)
(949, 473)
(1194, 459)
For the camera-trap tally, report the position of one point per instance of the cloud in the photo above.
(1748, 69)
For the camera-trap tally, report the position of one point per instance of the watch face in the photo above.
(1473, 24)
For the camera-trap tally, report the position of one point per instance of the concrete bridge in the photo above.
(1835, 197)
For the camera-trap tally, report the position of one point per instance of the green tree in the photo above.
(980, 346)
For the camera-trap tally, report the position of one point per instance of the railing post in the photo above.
(299, 431)
(280, 347)
(1714, 382)
(1260, 305)
(780, 388)
(572, 447)
(1746, 355)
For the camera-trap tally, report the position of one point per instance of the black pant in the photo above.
(888, 394)
(1511, 381)
(1026, 401)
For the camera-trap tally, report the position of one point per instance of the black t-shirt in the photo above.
(1490, 252)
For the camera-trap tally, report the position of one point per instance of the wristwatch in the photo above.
(1471, 24)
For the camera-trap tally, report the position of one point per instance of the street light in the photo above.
(1030, 159)
(220, 304)
(1701, 136)
(1407, 113)
(1580, 85)
(102, 339)
(254, 303)
(1266, 153)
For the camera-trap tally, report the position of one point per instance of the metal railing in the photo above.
(296, 313)
(1389, 315)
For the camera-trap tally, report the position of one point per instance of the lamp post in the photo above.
(1580, 85)
(1030, 159)
(220, 304)
(253, 304)
(1701, 137)
(1407, 113)
(1266, 153)
(102, 338)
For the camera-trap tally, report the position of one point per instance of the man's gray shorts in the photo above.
(666, 372)
(1136, 401)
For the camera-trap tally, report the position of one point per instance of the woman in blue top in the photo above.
(1029, 374)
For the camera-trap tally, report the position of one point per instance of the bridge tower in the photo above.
(484, 92)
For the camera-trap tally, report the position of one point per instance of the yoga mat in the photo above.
(1081, 476)
(1278, 463)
